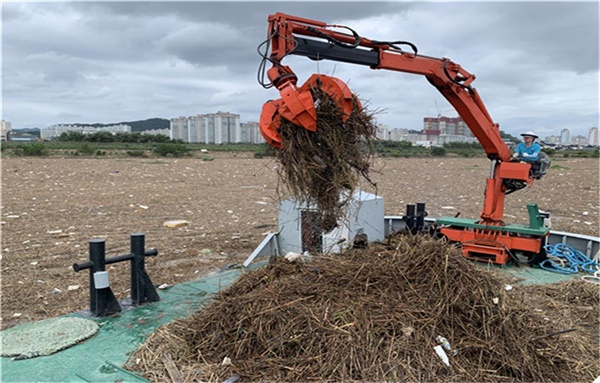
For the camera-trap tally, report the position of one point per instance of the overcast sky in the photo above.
(63, 62)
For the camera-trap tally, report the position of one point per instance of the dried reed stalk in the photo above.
(373, 315)
(325, 167)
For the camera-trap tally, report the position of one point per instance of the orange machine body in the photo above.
(319, 41)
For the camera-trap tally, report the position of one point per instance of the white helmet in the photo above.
(530, 134)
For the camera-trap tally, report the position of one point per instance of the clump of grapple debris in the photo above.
(324, 167)
(374, 315)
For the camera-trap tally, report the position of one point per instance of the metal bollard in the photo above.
(102, 299)
(410, 217)
(421, 213)
(142, 289)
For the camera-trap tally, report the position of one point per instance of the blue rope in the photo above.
(572, 260)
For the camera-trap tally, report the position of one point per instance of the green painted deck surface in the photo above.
(472, 224)
(101, 358)
(534, 275)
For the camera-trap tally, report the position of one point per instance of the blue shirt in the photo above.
(528, 154)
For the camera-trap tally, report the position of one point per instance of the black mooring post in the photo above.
(102, 300)
(142, 289)
(410, 217)
(420, 215)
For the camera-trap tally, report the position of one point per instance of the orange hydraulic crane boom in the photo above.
(453, 82)
(291, 35)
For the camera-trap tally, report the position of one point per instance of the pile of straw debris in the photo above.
(324, 167)
(374, 315)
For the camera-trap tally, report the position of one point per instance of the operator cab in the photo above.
(538, 169)
(531, 152)
(541, 166)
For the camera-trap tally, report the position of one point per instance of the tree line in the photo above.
(104, 136)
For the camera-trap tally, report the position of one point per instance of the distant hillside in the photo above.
(509, 136)
(137, 126)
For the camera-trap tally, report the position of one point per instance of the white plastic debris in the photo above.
(291, 256)
(495, 300)
(16, 315)
(73, 287)
(143, 207)
(508, 287)
(439, 350)
(176, 223)
(33, 263)
(442, 341)
(163, 286)
(226, 361)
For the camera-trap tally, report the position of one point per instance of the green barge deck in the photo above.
(102, 357)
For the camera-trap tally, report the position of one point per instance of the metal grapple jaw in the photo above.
(297, 105)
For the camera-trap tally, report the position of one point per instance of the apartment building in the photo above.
(215, 128)
(5, 128)
(579, 140)
(593, 136)
(56, 130)
(565, 137)
(250, 133)
(442, 125)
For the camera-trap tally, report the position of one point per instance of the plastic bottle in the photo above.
(446, 345)
(443, 342)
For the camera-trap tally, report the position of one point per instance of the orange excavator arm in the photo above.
(291, 35)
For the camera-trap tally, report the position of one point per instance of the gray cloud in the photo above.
(536, 63)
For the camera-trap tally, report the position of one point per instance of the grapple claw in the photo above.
(297, 106)
(269, 123)
(335, 88)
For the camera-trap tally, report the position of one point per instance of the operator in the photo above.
(528, 150)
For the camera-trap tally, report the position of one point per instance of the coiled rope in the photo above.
(564, 259)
